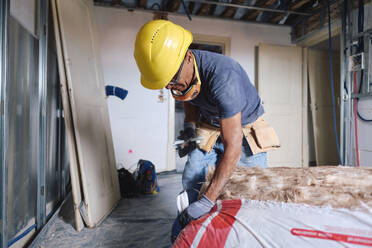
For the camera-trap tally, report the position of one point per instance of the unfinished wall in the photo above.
(140, 122)
(365, 109)
(365, 104)
(22, 134)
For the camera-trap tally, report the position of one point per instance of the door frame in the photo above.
(307, 42)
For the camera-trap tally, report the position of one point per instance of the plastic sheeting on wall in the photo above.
(22, 121)
(22, 130)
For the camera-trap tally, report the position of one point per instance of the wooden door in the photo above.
(279, 84)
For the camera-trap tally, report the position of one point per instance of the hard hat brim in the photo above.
(152, 85)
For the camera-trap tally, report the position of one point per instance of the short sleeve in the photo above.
(229, 95)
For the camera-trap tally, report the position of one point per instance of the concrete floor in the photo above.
(137, 222)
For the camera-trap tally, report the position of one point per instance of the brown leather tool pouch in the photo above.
(260, 136)
(210, 135)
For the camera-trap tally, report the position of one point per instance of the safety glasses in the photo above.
(176, 78)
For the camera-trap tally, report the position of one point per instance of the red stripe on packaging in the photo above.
(188, 234)
(352, 239)
(221, 225)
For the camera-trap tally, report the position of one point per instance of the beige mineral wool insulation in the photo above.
(335, 186)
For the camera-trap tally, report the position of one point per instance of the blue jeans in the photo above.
(196, 167)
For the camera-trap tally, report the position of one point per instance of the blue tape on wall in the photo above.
(116, 91)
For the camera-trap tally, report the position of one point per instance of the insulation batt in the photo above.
(335, 186)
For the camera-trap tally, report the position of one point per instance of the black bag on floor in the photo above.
(128, 185)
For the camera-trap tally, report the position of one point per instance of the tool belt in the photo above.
(261, 137)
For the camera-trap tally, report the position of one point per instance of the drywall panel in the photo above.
(279, 84)
(321, 104)
(140, 122)
(70, 132)
(89, 109)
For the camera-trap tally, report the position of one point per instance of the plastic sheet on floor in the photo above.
(144, 221)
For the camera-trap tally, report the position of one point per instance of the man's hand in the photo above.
(196, 210)
(188, 132)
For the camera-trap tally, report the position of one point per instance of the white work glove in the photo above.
(200, 208)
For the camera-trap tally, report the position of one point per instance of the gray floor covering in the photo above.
(144, 221)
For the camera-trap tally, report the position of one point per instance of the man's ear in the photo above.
(189, 56)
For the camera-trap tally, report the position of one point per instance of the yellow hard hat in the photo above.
(159, 51)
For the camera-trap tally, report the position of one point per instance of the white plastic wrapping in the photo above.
(250, 223)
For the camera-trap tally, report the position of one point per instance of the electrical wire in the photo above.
(27, 231)
(332, 83)
(360, 49)
(186, 10)
(359, 91)
(356, 119)
(360, 116)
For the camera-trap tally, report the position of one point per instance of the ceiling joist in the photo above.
(142, 3)
(173, 6)
(252, 15)
(292, 6)
(230, 11)
(191, 7)
(203, 10)
(212, 9)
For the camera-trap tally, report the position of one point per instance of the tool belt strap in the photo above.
(260, 136)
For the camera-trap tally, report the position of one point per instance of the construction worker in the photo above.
(220, 104)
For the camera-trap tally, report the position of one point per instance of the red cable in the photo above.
(355, 119)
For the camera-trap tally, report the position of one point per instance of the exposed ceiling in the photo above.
(276, 12)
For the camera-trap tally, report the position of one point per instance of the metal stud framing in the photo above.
(4, 12)
(343, 82)
(43, 49)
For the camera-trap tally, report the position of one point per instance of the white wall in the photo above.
(140, 122)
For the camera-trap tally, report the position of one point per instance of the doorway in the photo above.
(322, 137)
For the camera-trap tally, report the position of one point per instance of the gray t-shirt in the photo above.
(225, 89)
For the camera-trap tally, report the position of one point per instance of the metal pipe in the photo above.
(4, 13)
(348, 128)
(42, 158)
(59, 144)
(251, 7)
(343, 96)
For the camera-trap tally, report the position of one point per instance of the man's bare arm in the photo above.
(232, 135)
